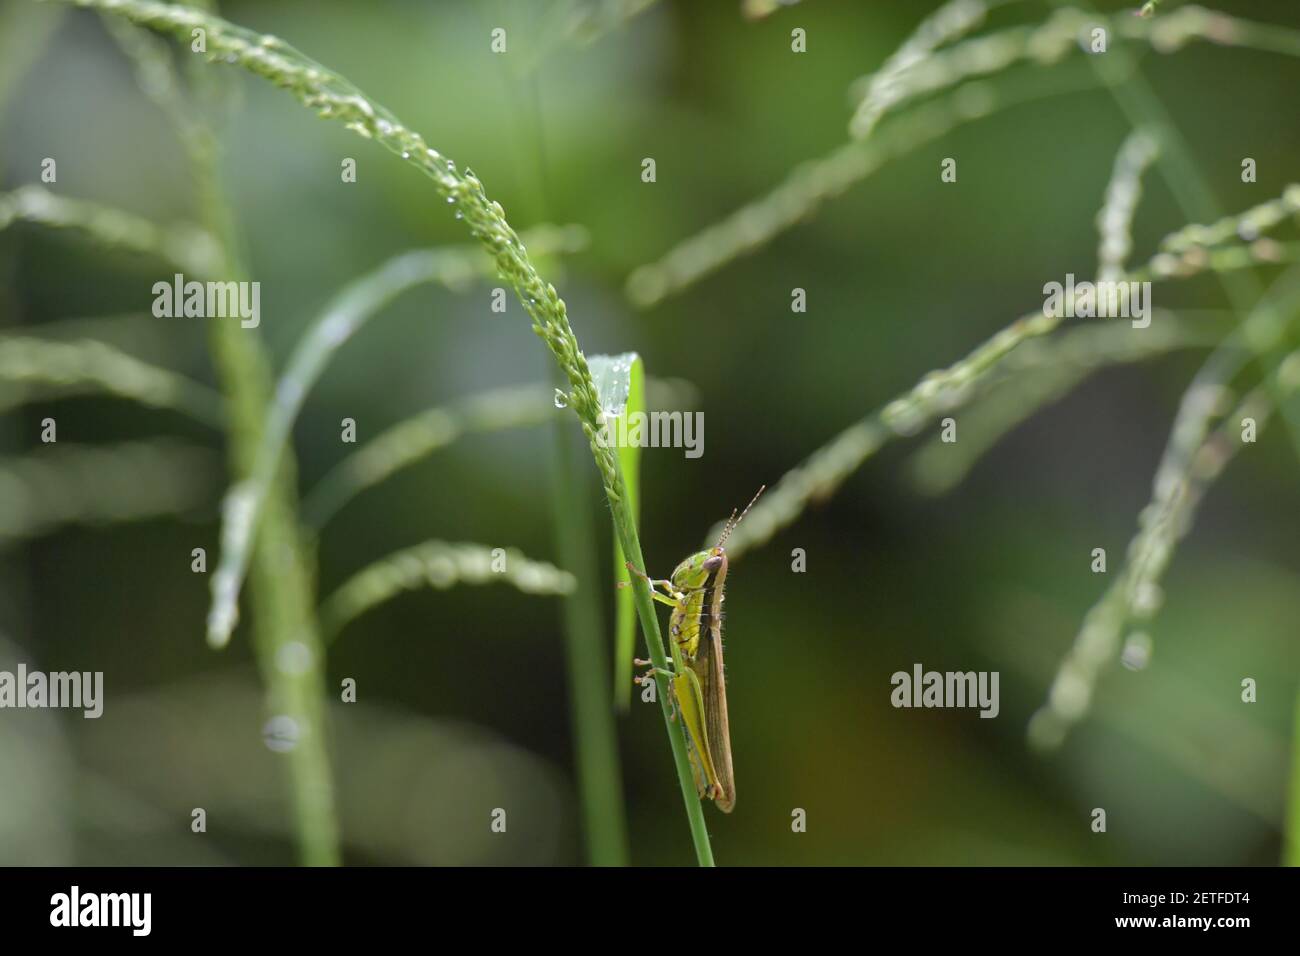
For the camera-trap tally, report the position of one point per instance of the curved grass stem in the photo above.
(440, 565)
(334, 97)
(819, 475)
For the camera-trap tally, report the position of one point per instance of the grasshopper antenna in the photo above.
(733, 520)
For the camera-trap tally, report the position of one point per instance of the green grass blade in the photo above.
(620, 383)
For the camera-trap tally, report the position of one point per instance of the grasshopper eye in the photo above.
(713, 563)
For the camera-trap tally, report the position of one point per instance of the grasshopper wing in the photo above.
(708, 667)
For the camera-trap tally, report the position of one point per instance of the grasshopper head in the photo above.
(694, 573)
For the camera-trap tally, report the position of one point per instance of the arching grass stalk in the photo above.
(285, 627)
(964, 75)
(818, 476)
(1140, 102)
(332, 96)
(817, 181)
(1194, 456)
(416, 437)
(1059, 36)
(89, 366)
(184, 246)
(1198, 451)
(591, 723)
(883, 89)
(359, 302)
(419, 436)
(1144, 108)
(64, 484)
(435, 564)
(1038, 374)
(282, 605)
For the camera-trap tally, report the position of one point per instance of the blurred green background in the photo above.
(461, 694)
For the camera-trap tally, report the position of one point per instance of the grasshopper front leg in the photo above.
(671, 598)
(652, 670)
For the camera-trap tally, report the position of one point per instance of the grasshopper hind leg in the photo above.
(642, 679)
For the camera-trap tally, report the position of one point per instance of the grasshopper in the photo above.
(699, 685)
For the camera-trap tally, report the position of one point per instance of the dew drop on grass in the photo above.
(280, 734)
(293, 658)
(1137, 651)
(1147, 599)
(561, 400)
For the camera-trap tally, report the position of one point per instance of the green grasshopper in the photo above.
(699, 685)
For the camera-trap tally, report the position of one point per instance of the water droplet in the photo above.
(561, 400)
(280, 733)
(405, 155)
(1147, 599)
(1069, 696)
(293, 658)
(459, 214)
(450, 200)
(1137, 651)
